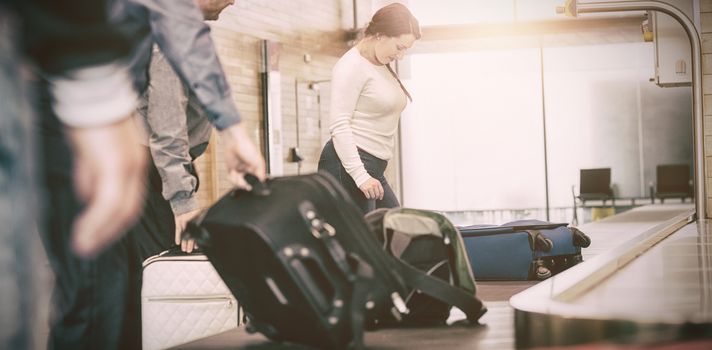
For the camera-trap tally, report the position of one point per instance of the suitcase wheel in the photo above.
(542, 273)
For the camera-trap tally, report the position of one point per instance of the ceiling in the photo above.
(564, 32)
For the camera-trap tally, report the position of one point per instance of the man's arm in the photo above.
(184, 38)
(168, 140)
(169, 143)
(178, 29)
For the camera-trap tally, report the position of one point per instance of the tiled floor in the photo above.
(496, 332)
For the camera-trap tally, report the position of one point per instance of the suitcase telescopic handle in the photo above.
(324, 232)
(315, 278)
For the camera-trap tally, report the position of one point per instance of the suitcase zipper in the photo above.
(192, 299)
(162, 257)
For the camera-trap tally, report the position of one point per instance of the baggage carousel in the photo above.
(646, 280)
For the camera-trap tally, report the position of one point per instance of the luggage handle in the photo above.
(539, 242)
(360, 275)
(580, 239)
(325, 233)
(259, 188)
(310, 269)
(493, 230)
(194, 231)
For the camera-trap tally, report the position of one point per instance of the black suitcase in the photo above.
(298, 255)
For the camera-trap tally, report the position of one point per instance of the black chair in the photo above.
(673, 181)
(595, 184)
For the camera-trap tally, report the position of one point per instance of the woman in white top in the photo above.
(367, 99)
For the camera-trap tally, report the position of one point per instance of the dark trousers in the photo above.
(330, 163)
(91, 297)
(153, 233)
(155, 230)
(97, 303)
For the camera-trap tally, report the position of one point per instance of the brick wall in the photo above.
(313, 27)
(706, 39)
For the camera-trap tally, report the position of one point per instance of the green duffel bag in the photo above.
(430, 242)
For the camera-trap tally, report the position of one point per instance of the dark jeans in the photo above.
(97, 302)
(155, 230)
(330, 163)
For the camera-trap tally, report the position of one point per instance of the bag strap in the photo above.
(360, 274)
(438, 289)
(359, 298)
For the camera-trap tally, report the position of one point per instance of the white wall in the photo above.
(472, 113)
(473, 138)
(602, 111)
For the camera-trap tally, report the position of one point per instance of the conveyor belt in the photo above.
(646, 287)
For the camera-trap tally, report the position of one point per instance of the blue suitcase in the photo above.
(522, 250)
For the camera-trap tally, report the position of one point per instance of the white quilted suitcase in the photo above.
(183, 299)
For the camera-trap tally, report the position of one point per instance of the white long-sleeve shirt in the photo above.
(93, 96)
(366, 104)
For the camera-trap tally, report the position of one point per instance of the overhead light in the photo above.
(645, 28)
(569, 8)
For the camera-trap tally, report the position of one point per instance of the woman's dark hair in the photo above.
(393, 20)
